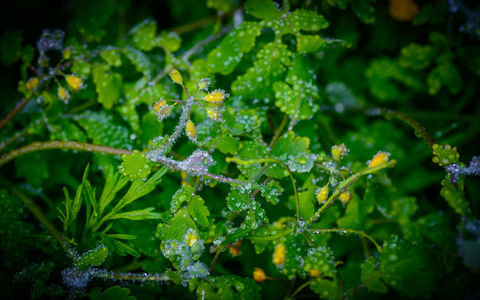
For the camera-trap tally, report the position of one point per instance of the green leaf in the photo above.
(269, 67)
(144, 34)
(444, 155)
(140, 60)
(383, 74)
(108, 85)
(236, 234)
(135, 165)
(289, 145)
(445, 74)
(228, 54)
(10, 47)
(403, 266)
(142, 214)
(184, 194)
(370, 277)
(325, 288)
(455, 197)
(355, 215)
(115, 292)
(178, 226)
(170, 40)
(94, 257)
(198, 211)
(306, 198)
(321, 260)
(67, 131)
(122, 249)
(243, 121)
(229, 287)
(298, 100)
(174, 276)
(228, 145)
(91, 17)
(295, 250)
(263, 9)
(238, 200)
(111, 56)
(364, 10)
(102, 128)
(297, 21)
(417, 57)
(271, 191)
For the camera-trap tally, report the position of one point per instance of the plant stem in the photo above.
(37, 146)
(419, 129)
(300, 288)
(37, 212)
(340, 230)
(344, 185)
(278, 131)
(104, 274)
(14, 111)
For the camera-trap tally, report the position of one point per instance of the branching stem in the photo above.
(37, 146)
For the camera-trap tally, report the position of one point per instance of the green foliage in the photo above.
(246, 149)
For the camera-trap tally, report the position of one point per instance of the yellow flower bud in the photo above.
(314, 273)
(74, 82)
(191, 130)
(67, 53)
(216, 97)
(164, 111)
(63, 94)
(214, 114)
(176, 76)
(345, 196)
(322, 194)
(204, 83)
(259, 275)
(32, 83)
(339, 151)
(192, 238)
(158, 105)
(378, 159)
(279, 255)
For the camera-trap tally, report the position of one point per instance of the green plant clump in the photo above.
(231, 149)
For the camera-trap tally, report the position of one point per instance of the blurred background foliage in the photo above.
(421, 59)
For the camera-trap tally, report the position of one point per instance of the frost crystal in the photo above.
(197, 163)
(456, 171)
(51, 41)
(74, 278)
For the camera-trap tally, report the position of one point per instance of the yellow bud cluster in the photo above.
(74, 82)
(322, 194)
(314, 273)
(378, 159)
(279, 255)
(345, 196)
(176, 76)
(339, 151)
(63, 94)
(259, 275)
(32, 83)
(191, 130)
(216, 97)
